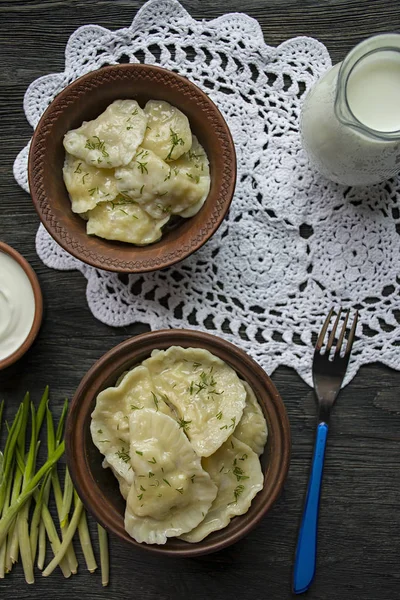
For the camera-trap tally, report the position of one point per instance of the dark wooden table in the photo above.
(359, 533)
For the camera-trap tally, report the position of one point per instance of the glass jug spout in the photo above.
(368, 88)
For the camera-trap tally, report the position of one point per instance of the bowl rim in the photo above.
(89, 387)
(62, 235)
(38, 298)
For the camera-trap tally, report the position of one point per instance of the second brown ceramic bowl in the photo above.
(85, 99)
(98, 487)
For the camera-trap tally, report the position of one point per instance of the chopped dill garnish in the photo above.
(142, 166)
(123, 455)
(128, 128)
(219, 415)
(222, 468)
(97, 144)
(192, 478)
(224, 427)
(138, 452)
(239, 473)
(180, 490)
(232, 445)
(99, 431)
(135, 112)
(195, 178)
(140, 496)
(233, 423)
(155, 399)
(243, 457)
(123, 211)
(141, 189)
(148, 127)
(152, 461)
(167, 482)
(169, 175)
(196, 365)
(237, 492)
(134, 407)
(175, 141)
(83, 178)
(78, 168)
(184, 424)
(104, 441)
(93, 191)
(151, 474)
(194, 156)
(142, 488)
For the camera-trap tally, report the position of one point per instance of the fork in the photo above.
(329, 368)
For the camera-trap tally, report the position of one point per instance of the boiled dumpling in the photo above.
(112, 139)
(124, 221)
(252, 427)
(171, 493)
(236, 471)
(207, 394)
(87, 185)
(168, 131)
(110, 419)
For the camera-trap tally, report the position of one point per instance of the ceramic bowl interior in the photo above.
(37, 294)
(97, 486)
(85, 99)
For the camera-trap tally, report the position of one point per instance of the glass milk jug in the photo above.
(350, 121)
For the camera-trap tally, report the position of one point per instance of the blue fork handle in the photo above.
(306, 551)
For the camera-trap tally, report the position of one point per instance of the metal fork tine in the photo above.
(351, 337)
(333, 332)
(342, 333)
(322, 334)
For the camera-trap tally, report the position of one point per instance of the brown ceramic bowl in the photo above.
(85, 99)
(37, 320)
(98, 487)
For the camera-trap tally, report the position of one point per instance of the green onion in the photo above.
(104, 556)
(24, 531)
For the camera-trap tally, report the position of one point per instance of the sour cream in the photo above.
(17, 305)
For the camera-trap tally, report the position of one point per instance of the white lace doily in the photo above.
(293, 244)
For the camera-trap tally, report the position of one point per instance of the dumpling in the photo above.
(207, 394)
(236, 471)
(171, 493)
(162, 189)
(168, 131)
(112, 139)
(124, 221)
(252, 428)
(87, 185)
(110, 419)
